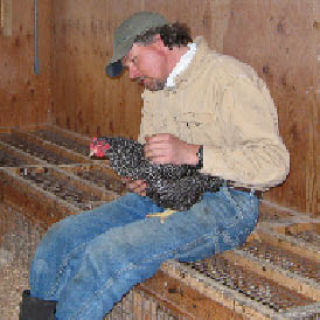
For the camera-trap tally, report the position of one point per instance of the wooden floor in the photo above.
(46, 174)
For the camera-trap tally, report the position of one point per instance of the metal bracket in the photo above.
(36, 39)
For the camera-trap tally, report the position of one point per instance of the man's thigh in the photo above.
(63, 245)
(215, 224)
(87, 225)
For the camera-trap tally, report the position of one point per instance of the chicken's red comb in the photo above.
(98, 148)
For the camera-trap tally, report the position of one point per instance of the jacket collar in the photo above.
(193, 69)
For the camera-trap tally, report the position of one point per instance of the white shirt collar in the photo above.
(181, 65)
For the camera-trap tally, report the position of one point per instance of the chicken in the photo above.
(177, 187)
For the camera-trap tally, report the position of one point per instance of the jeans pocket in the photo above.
(245, 205)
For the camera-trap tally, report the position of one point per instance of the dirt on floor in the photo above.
(18, 240)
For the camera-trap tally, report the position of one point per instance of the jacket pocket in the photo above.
(197, 128)
(191, 119)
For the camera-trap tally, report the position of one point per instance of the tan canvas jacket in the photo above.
(221, 103)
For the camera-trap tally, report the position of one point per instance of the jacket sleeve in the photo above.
(253, 154)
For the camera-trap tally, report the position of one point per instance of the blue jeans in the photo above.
(87, 262)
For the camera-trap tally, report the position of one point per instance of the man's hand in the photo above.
(137, 186)
(164, 148)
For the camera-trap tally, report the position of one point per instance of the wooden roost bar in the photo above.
(54, 96)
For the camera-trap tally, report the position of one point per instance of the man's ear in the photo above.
(158, 42)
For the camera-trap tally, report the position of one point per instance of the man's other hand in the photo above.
(137, 186)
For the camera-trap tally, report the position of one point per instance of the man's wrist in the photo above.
(190, 156)
(195, 155)
(200, 157)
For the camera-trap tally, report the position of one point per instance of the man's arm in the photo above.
(253, 154)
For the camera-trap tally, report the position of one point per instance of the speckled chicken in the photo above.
(177, 187)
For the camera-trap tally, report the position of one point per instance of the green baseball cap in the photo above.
(125, 35)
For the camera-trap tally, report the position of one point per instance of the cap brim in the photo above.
(114, 69)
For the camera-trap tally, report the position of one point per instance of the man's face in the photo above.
(147, 65)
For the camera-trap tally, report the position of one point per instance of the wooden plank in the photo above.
(38, 205)
(67, 181)
(99, 174)
(47, 207)
(233, 304)
(70, 134)
(185, 301)
(287, 243)
(59, 150)
(313, 156)
(25, 158)
(82, 185)
(283, 278)
(97, 166)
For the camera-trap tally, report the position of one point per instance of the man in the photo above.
(200, 108)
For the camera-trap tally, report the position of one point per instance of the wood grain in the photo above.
(280, 39)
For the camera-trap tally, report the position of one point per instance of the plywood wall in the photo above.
(24, 96)
(85, 100)
(280, 39)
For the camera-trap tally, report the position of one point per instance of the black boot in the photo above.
(36, 309)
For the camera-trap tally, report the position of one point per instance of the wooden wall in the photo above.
(279, 38)
(85, 99)
(24, 96)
